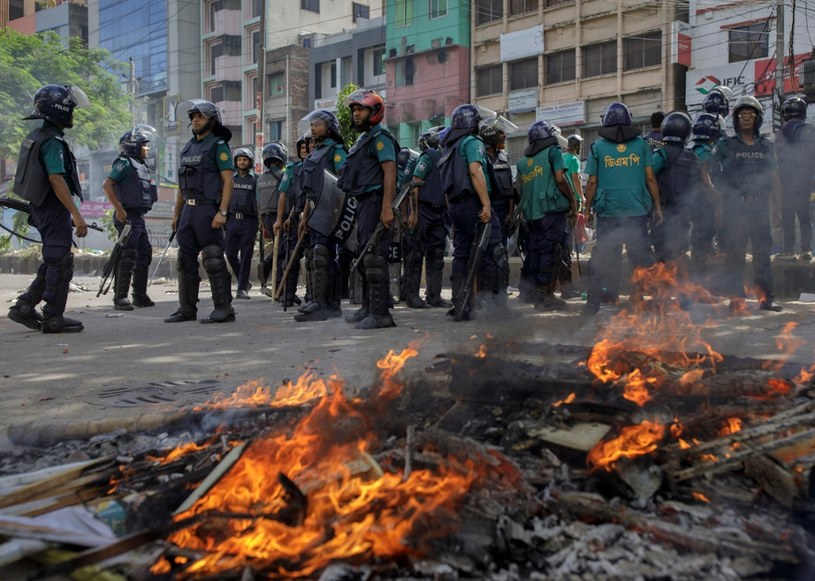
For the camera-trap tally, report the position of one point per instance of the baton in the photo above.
(163, 254)
(283, 278)
(275, 250)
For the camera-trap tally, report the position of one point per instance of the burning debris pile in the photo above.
(647, 455)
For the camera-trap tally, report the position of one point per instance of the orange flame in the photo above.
(699, 496)
(390, 365)
(636, 388)
(482, 352)
(787, 344)
(254, 394)
(805, 376)
(567, 400)
(633, 441)
(731, 426)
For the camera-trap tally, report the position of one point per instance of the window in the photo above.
(522, 6)
(378, 57)
(255, 46)
(523, 74)
(333, 74)
(600, 59)
(359, 11)
(257, 6)
(274, 130)
(749, 42)
(216, 93)
(550, 3)
(404, 13)
(212, 8)
(489, 80)
(488, 11)
(215, 50)
(405, 69)
(643, 50)
(310, 5)
(438, 8)
(277, 84)
(560, 67)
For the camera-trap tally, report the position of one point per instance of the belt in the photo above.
(460, 197)
(199, 202)
(242, 215)
(432, 205)
(361, 197)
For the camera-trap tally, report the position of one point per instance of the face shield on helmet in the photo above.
(56, 103)
(430, 138)
(131, 142)
(209, 111)
(320, 124)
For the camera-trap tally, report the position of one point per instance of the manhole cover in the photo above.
(157, 393)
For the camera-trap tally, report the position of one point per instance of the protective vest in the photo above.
(539, 192)
(138, 190)
(748, 168)
(296, 190)
(31, 180)
(291, 194)
(679, 178)
(358, 175)
(621, 187)
(268, 193)
(243, 199)
(431, 192)
(312, 170)
(502, 186)
(794, 147)
(453, 171)
(198, 176)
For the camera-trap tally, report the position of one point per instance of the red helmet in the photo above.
(372, 101)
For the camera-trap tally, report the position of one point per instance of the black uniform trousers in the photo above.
(795, 203)
(670, 237)
(546, 241)
(195, 232)
(463, 214)
(748, 220)
(241, 233)
(139, 240)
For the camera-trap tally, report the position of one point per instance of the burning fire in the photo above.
(732, 426)
(254, 394)
(297, 501)
(565, 401)
(699, 496)
(633, 441)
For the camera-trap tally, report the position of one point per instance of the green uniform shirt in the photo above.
(223, 156)
(120, 171)
(287, 181)
(620, 171)
(472, 150)
(702, 151)
(539, 192)
(338, 157)
(53, 153)
(423, 166)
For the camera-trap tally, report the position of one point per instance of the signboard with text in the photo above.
(563, 114)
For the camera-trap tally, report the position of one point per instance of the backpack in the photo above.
(452, 171)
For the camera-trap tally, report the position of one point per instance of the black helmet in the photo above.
(492, 134)
(745, 102)
(330, 120)
(132, 141)
(574, 141)
(56, 103)
(794, 108)
(205, 108)
(706, 126)
(539, 130)
(465, 117)
(243, 152)
(274, 151)
(430, 138)
(716, 103)
(304, 139)
(616, 114)
(676, 127)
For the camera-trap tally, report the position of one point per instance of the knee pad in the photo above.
(321, 257)
(376, 268)
(499, 257)
(66, 266)
(213, 258)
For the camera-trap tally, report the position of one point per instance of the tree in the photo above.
(344, 114)
(29, 62)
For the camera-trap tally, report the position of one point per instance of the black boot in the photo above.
(364, 310)
(140, 275)
(457, 282)
(377, 275)
(24, 311)
(57, 284)
(545, 300)
(493, 280)
(220, 284)
(121, 283)
(412, 280)
(434, 272)
(187, 297)
(317, 309)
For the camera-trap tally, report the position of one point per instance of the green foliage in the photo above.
(107, 224)
(29, 62)
(344, 114)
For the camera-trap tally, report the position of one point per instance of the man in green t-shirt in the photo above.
(622, 191)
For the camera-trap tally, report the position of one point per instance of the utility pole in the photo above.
(133, 89)
(778, 96)
(261, 93)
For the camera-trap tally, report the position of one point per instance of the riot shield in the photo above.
(335, 212)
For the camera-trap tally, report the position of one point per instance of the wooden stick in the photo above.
(279, 288)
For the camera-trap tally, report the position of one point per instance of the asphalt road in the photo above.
(127, 363)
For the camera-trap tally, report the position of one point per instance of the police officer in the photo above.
(622, 190)
(717, 103)
(242, 222)
(370, 176)
(468, 198)
(268, 193)
(502, 200)
(571, 158)
(795, 145)
(131, 189)
(327, 153)
(546, 202)
(47, 177)
(654, 137)
(290, 206)
(706, 132)
(751, 178)
(201, 209)
(428, 223)
(678, 176)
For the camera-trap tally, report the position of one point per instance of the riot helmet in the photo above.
(327, 119)
(210, 112)
(56, 103)
(616, 114)
(274, 152)
(465, 117)
(794, 108)
(304, 140)
(706, 127)
(539, 130)
(132, 141)
(492, 135)
(243, 152)
(676, 127)
(748, 102)
(430, 138)
(574, 141)
(716, 102)
(372, 101)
